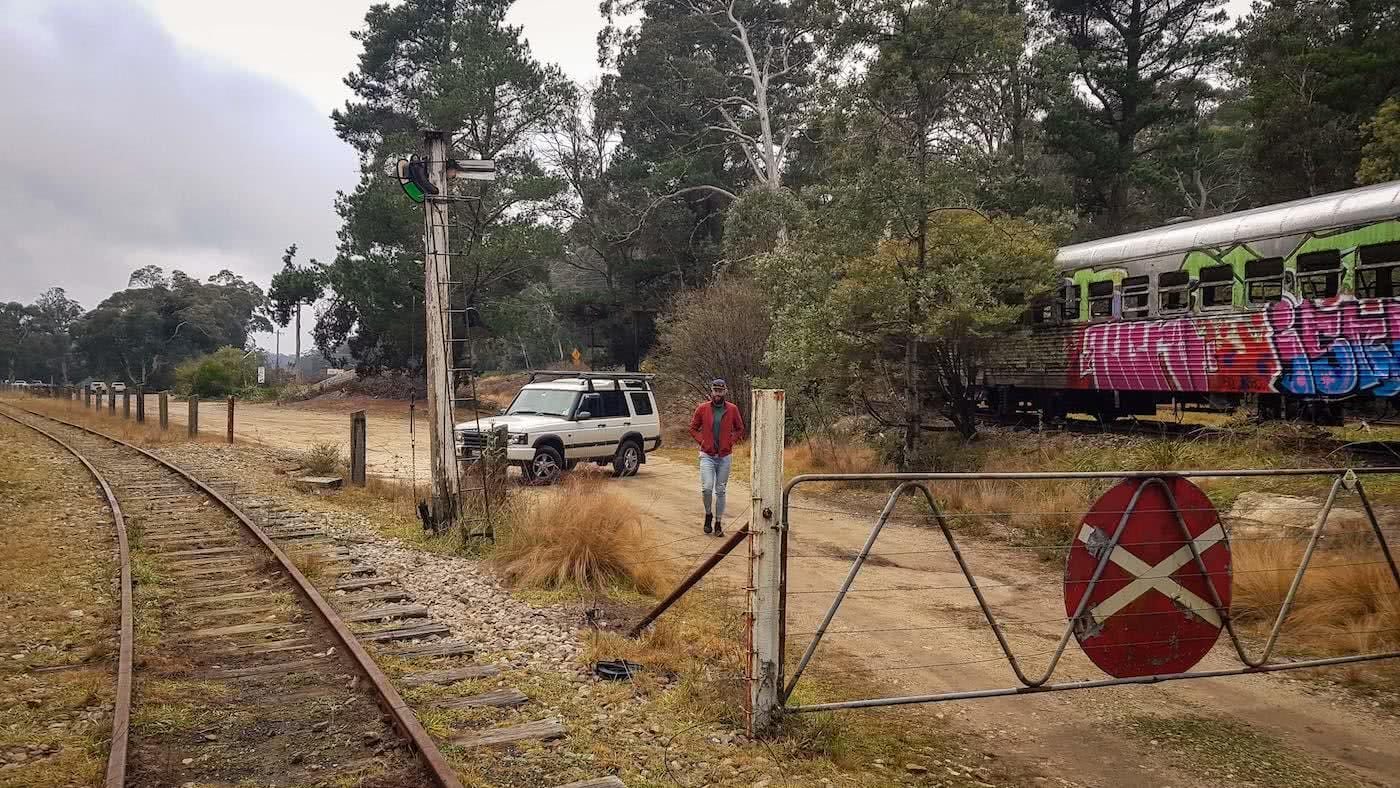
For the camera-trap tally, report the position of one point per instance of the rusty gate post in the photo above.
(126, 405)
(230, 418)
(766, 545)
(357, 448)
(192, 427)
(140, 405)
(164, 406)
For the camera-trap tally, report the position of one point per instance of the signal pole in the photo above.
(437, 273)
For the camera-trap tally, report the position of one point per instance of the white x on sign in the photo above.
(1148, 577)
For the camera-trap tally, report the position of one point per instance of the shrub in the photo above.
(217, 374)
(322, 458)
(579, 535)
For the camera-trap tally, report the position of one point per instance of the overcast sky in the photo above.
(190, 134)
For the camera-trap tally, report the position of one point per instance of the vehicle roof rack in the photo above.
(556, 374)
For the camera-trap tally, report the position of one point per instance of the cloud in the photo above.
(122, 149)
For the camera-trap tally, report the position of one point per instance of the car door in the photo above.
(597, 436)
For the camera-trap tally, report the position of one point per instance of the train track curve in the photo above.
(231, 606)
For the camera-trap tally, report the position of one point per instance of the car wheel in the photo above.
(546, 467)
(628, 460)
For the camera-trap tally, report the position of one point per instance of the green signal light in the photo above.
(413, 177)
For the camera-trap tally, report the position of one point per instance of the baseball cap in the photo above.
(718, 383)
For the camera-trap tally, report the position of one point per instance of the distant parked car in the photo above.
(119, 387)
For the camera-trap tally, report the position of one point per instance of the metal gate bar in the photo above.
(1344, 477)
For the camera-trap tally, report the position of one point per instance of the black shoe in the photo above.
(709, 519)
(719, 529)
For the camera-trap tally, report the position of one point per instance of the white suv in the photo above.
(560, 419)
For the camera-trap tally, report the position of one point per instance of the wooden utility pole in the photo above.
(437, 273)
(766, 546)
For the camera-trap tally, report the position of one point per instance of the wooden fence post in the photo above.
(767, 542)
(111, 399)
(140, 405)
(126, 405)
(193, 426)
(164, 406)
(87, 396)
(230, 418)
(357, 448)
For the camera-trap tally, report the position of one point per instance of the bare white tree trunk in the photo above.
(765, 152)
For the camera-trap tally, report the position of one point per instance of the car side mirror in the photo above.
(581, 415)
(501, 412)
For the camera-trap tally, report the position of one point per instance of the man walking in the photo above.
(716, 426)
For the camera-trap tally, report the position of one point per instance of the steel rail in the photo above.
(121, 707)
(399, 711)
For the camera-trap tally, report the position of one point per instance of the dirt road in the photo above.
(913, 609)
(390, 444)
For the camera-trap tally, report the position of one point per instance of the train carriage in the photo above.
(1294, 307)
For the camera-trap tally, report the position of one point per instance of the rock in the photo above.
(187, 761)
(914, 768)
(1258, 514)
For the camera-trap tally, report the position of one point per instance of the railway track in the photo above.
(232, 668)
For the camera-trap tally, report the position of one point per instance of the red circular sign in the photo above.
(1151, 611)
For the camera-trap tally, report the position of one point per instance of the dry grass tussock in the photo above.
(1040, 515)
(1347, 604)
(580, 535)
(323, 458)
(832, 453)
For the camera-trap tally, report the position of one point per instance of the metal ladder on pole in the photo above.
(475, 525)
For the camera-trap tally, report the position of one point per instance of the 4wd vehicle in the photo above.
(560, 419)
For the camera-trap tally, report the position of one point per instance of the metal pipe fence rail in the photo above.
(1152, 493)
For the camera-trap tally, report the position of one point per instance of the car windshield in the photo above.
(543, 402)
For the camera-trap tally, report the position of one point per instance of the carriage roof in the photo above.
(1313, 214)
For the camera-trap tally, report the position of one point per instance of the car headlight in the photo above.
(519, 438)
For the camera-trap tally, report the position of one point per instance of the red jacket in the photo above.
(731, 428)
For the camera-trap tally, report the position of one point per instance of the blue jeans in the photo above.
(714, 478)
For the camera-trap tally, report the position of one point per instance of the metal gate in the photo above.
(1343, 482)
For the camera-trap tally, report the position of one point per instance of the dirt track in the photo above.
(390, 445)
(1076, 736)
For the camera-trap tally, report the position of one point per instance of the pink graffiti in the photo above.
(1169, 355)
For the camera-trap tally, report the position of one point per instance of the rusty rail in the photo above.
(121, 709)
(399, 711)
(700, 571)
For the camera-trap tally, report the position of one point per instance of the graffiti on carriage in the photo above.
(1324, 347)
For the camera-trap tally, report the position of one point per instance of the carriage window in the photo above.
(1375, 270)
(1069, 300)
(1135, 297)
(1100, 300)
(1171, 291)
(1217, 286)
(1264, 280)
(1042, 311)
(1319, 274)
